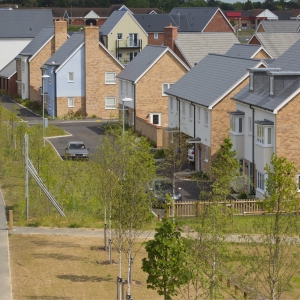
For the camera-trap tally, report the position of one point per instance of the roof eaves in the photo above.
(40, 48)
(262, 48)
(183, 55)
(70, 56)
(178, 58)
(287, 100)
(209, 20)
(104, 48)
(117, 23)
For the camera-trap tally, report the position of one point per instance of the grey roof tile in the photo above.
(280, 26)
(195, 46)
(24, 23)
(141, 62)
(40, 39)
(112, 21)
(243, 50)
(198, 17)
(64, 52)
(9, 70)
(211, 78)
(277, 43)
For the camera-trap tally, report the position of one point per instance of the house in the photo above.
(123, 36)
(275, 43)
(196, 19)
(249, 51)
(266, 117)
(18, 28)
(199, 103)
(8, 77)
(32, 57)
(280, 26)
(194, 46)
(144, 81)
(82, 77)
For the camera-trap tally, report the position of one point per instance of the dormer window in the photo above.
(237, 122)
(264, 133)
(250, 81)
(271, 85)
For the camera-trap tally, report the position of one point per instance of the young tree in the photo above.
(276, 258)
(165, 264)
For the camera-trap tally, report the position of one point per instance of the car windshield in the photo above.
(163, 185)
(77, 146)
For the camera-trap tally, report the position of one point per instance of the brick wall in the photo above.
(261, 55)
(60, 34)
(12, 85)
(287, 136)
(153, 41)
(62, 105)
(218, 24)
(255, 41)
(170, 34)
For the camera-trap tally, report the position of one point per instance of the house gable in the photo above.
(91, 15)
(266, 14)
(218, 23)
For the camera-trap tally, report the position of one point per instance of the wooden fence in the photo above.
(237, 207)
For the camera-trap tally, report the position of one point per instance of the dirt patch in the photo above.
(66, 268)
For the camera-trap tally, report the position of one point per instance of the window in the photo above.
(155, 119)
(70, 77)
(183, 109)
(132, 55)
(110, 78)
(110, 102)
(132, 116)
(271, 85)
(260, 134)
(240, 125)
(23, 88)
(23, 66)
(70, 102)
(120, 55)
(236, 124)
(199, 113)
(191, 111)
(260, 181)
(49, 80)
(250, 125)
(232, 123)
(165, 87)
(298, 182)
(119, 36)
(250, 81)
(206, 154)
(121, 83)
(264, 135)
(206, 117)
(155, 35)
(133, 40)
(177, 105)
(171, 104)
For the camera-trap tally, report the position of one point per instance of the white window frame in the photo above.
(155, 35)
(191, 112)
(177, 105)
(206, 154)
(165, 87)
(110, 106)
(70, 76)
(236, 125)
(132, 117)
(183, 109)
(121, 86)
(71, 102)
(23, 66)
(250, 124)
(119, 36)
(199, 113)
(159, 118)
(110, 80)
(260, 182)
(171, 104)
(206, 117)
(23, 88)
(298, 182)
(264, 135)
(49, 80)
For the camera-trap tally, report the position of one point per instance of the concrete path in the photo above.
(5, 278)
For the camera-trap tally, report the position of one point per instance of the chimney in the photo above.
(92, 63)
(170, 34)
(60, 33)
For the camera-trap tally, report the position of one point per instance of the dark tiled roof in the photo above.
(112, 21)
(9, 70)
(243, 50)
(24, 23)
(280, 26)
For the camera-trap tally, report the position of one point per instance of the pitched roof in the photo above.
(198, 16)
(9, 70)
(276, 43)
(280, 26)
(66, 50)
(39, 41)
(156, 23)
(195, 46)
(211, 79)
(112, 21)
(142, 62)
(244, 50)
(24, 23)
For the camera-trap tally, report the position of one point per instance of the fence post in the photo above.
(11, 220)
(198, 209)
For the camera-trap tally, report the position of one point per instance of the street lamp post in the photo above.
(125, 100)
(44, 76)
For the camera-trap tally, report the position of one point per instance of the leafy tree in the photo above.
(275, 258)
(165, 264)
(269, 4)
(248, 5)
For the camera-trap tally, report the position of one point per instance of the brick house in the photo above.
(82, 77)
(144, 82)
(280, 26)
(266, 117)
(8, 77)
(249, 51)
(199, 103)
(32, 57)
(196, 19)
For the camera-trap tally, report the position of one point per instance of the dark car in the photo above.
(161, 187)
(77, 150)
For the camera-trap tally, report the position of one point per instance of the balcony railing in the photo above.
(128, 44)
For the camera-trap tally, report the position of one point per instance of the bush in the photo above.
(243, 195)
(201, 175)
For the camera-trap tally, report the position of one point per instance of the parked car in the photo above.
(77, 150)
(191, 154)
(160, 187)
